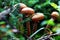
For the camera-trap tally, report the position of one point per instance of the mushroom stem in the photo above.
(47, 31)
(48, 27)
(28, 28)
(21, 28)
(54, 16)
(28, 12)
(34, 27)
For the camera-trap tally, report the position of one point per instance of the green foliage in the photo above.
(2, 22)
(51, 22)
(43, 6)
(57, 37)
(21, 37)
(44, 23)
(56, 28)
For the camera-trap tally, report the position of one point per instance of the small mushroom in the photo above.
(55, 15)
(22, 6)
(21, 28)
(28, 12)
(36, 18)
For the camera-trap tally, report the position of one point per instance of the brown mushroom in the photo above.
(21, 28)
(36, 18)
(28, 12)
(22, 6)
(55, 15)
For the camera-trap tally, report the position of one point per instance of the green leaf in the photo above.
(10, 33)
(37, 7)
(44, 23)
(3, 29)
(32, 2)
(54, 5)
(51, 22)
(2, 22)
(56, 37)
(21, 37)
(37, 36)
(56, 28)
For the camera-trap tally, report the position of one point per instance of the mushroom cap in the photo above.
(38, 16)
(55, 14)
(22, 6)
(27, 11)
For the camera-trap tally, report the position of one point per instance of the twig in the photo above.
(47, 36)
(5, 12)
(8, 11)
(36, 32)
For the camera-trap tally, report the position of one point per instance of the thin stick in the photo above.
(47, 36)
(36, 32)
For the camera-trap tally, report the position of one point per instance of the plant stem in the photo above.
(21, 28)
(47, 36)
(36, 32)
(28, 28)
(34, 27)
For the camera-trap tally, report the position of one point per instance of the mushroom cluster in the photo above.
(36, 17)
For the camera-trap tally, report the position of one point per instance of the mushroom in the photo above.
(22, 6)
(36, 18)
(21, 28)
(28, 12)
(54, 16)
